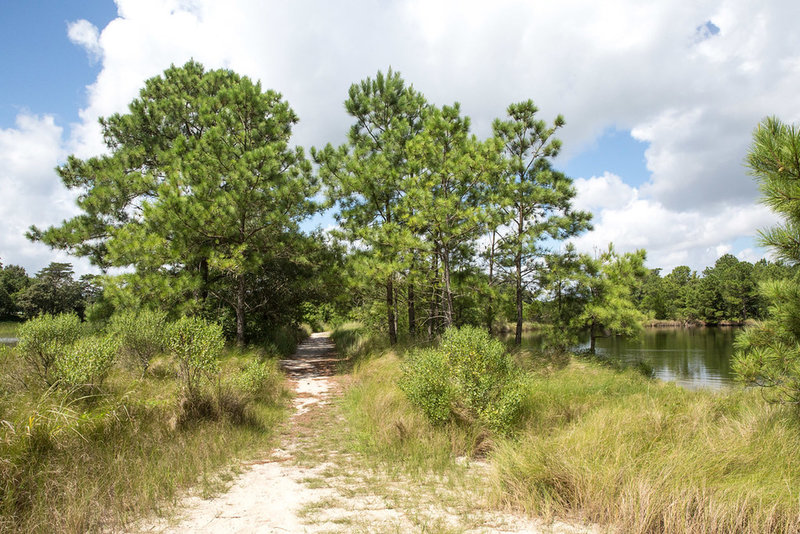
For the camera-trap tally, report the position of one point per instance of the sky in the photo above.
(660, 98)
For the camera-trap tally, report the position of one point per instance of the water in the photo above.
(691, 357)
(8, 340)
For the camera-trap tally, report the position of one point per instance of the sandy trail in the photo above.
(321, 493)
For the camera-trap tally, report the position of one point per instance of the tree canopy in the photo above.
(768, 354)
(199, 193)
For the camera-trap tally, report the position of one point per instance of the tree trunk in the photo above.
(396, 309)
(518, 265)
(434, 310)
(412, 312)
(490, 299)
(240, 311)
(390, 311)
(592, 339)
(518, 331)
(447, 296)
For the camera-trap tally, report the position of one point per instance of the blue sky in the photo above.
(43, 71)
(614, 151)
(660, 98)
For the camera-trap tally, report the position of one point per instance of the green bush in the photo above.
(428, 384)
(259, 380)
(43, 339)
(86, 362)
(141, 334)
(196, 345)
(469, 377)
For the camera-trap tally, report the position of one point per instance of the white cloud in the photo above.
(671, 237)
(626, 64)
(84, 33)
(28, 154)
(607, 191)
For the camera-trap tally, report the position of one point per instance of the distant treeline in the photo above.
(52, 290)
(726, 292)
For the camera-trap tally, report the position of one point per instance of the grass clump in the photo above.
(643, 456)
(105, 443)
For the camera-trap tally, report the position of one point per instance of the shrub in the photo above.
(259, 381)
(86, 362)
(43, 339)
(427, 383)
(142, 335)
(470, 376)
(197, 345)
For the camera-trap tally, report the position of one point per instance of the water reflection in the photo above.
(691, 357)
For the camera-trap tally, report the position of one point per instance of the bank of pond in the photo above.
(574, 438)
(696, 357)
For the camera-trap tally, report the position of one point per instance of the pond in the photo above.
(692, 357)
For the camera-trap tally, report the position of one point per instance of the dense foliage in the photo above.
(53, 290)
(418, 194)
(469, 377)
(769, 352)
(726, 292)
(199, 197)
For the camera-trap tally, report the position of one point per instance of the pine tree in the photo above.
(199, 190)
(768, 354)
(367, 178)
(608, 281)
(535, 199)
(447, 191)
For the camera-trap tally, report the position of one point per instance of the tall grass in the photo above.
(283, 340)
(84, 463)
(650, 457)
(355, 342)
(605, 445)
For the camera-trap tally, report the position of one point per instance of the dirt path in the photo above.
(304, 486)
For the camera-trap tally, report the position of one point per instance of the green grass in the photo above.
(650, 457)
(355, 343)
(85, 464)
(604, 445)
(9, 328)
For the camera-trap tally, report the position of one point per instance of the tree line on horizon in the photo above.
(52, 290)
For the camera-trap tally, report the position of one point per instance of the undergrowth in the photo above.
(103, 445)
(602, 444)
